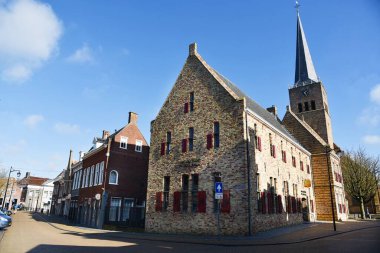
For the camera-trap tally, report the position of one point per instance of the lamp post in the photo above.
(328, 150)
(6, 187)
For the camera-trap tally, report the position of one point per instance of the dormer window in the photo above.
(123, 142)
(138, 147)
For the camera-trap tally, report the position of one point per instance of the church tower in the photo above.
(308, 120)
(308, 97)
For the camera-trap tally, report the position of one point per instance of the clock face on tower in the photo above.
(305, 92)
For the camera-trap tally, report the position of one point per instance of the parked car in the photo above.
(4, 217)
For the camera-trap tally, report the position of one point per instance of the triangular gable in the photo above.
(303, 132)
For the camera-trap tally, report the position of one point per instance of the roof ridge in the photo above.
(309, 128)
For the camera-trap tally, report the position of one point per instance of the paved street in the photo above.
(31, 233)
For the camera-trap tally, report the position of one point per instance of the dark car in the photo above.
(5, 219)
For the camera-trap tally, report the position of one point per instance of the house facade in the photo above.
(110, 184)
(209, 131)
(36, 193)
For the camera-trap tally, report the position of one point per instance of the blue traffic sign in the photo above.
(218, 187)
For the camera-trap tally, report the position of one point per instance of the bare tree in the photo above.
(3, 180)
(361, 176)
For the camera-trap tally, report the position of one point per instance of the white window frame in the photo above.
(138, 147)
(101, 172)
(96, 179)
(83, 178)
(117, 177)
(92, 175)
(87, 176)
(123, 141)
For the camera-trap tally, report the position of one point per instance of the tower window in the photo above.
(299, 107)
(306, 106)
(312, 105)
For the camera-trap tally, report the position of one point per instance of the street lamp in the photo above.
(328, 150)
(6, 187)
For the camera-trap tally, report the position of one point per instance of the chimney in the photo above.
(105, 134)
(193, 49)
(273, 110)
(81, 154)
(27, 174)
(132, 117)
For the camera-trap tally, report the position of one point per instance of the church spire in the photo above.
(305, 72)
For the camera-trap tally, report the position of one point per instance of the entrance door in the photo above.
(305, 210)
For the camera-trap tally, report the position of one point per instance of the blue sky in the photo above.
(69, 69)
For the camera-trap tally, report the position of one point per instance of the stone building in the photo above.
(274, 172)
(208, 131)
(308, 119)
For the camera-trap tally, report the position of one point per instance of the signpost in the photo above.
(218, 190)
(218, 196)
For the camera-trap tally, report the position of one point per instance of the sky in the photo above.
(70, 69)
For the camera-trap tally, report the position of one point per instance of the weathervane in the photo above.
(297, 6)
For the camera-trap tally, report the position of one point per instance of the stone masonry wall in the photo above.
(267, 167)
(212, 103)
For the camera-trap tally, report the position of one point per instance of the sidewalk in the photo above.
(286, 235)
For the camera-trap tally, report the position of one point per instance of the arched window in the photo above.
(113, 177)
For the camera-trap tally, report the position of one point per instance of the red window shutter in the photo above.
(158, 201)
(279, 204)
(163, 148)
(184, 145)
(186, 108)
(308, 169)
(274, 151)
(209, 141)
(225, 205)
(263, 202)
(177, 202)
(201, 202)
(259, 143)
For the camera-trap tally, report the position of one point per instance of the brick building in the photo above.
(110, 184)
(207, 131)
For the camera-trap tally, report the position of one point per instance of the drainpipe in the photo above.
(248, 173)
(104, 194)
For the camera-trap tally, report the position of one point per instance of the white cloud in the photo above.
(15, 148)
(82, 55)
(64, 128)
(371, 139)
(16, 73)
(375, 94)
(370, 116)
(30, 31)
(32, 120)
